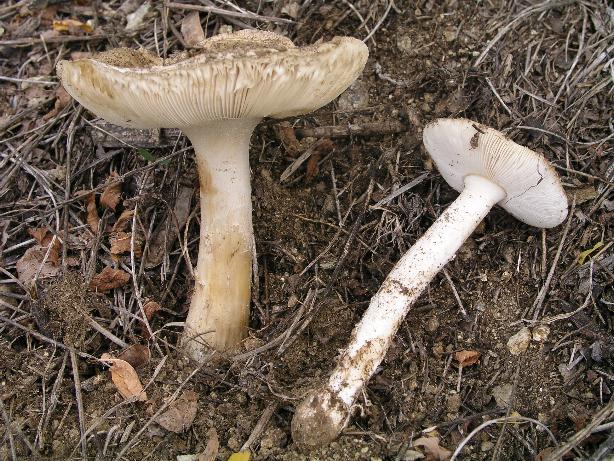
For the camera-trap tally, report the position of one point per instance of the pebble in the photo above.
(453, 403)
(432, 324)
(487, 445)
(355, 97)
(540, 333)
(503, 394)
(519, 343)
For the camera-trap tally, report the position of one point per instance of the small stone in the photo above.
(503, 395)
(410, 455)
(432, 324)
(292, 301)
(355, 97)
(540, 333)
(487, 446)
(566, 373)
(449, 35)
(233, 443)
(519, 343)
(273, 438)
(453, 403)
(405, 43)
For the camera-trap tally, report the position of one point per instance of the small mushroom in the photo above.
(487, 169)
(217, 98)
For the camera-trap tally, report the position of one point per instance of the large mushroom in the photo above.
(487, 169)
(216, 98)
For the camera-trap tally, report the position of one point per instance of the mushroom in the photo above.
(217, 98)
(487, 169)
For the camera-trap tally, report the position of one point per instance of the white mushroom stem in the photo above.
(219, 309)
(324, 413)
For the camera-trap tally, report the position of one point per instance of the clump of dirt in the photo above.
(65, 306)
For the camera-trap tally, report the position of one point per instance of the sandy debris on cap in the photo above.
(129, 58)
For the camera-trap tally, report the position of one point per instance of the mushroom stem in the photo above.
(219, 309)
(324, 413)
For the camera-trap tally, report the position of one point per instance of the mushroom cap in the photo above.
(246, 74)
(460, 147)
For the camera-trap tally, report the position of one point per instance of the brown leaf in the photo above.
(191, 29)
(213, 446)
(136, 355)
(123, 222)
(92, 212)
(62, 99)
(72, 26)
(180, 414)
(29, 264)
(44, 237)
(312, 166)
(111, 196)
(109, 279)
(150, 308)
(125, 378)
(466, 358)
(39, 234)
(121, 243)
(544, 454)
(432, 448)
(321, 148)
(288, 139)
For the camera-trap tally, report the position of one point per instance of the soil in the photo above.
(323, 246)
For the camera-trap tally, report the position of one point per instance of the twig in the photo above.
(260, 426)
(456, 296)
(226, 13)
(537, 304)
(503, 419)
(353, 129)
(75, 373)
(603, 414)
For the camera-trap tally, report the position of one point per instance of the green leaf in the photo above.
(241, 456)
(146, 154)
(586, 253)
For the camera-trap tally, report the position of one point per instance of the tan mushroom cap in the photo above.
(247, 74)
(460, 147)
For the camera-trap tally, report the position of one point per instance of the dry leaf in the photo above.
(291, 9)
(38, 234)
(135, 19)
(92, 212)
(213, 446)
(62, 99)
(109, 279)
(121, 242)
(544, 454)
(323, 147)
(29, 264)
(136, 355)
(44, 237)
(466, 358)
(166, 233)
(72, 26)
(288, 139)
(432, 448)
(150, 308)
(180, 414)
(125, 378)
(123, 222)
(191, 29)
(112, 194)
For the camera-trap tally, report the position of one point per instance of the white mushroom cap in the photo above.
(247, 74)
(460, 147)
